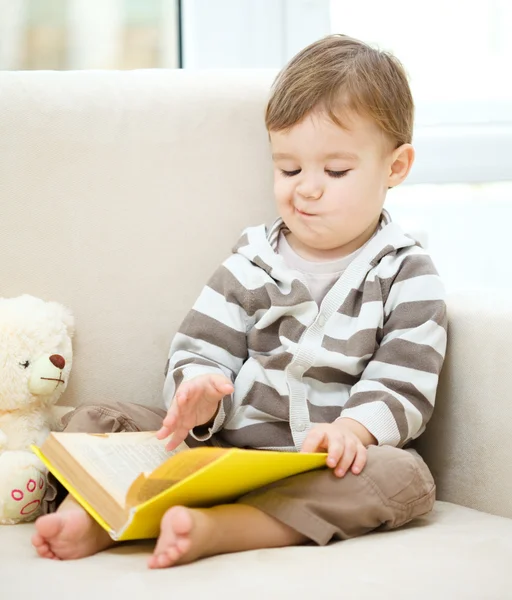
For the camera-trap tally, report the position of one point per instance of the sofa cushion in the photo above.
(453, 553)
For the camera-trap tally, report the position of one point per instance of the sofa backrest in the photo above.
(120, 192)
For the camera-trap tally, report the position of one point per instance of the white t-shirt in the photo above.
(320, 276)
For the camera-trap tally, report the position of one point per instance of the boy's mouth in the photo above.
(304, 214)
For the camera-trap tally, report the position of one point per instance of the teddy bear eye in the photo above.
(25, 364)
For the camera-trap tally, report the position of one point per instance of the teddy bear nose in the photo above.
(58, 361)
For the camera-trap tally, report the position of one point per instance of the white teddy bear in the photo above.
(35, 362)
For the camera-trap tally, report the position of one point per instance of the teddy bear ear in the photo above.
(63, 314)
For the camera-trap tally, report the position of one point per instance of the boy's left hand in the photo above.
(345, 441)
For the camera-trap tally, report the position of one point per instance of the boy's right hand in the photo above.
(195, 403)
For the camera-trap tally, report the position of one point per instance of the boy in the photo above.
(326, 332)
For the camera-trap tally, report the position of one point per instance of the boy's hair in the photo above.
(339, 73)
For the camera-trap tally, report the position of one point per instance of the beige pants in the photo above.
(394, 487)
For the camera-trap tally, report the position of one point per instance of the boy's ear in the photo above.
(402, 160)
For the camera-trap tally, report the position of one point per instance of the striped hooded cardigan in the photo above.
(371, 351)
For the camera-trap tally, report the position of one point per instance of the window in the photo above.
(89, 34)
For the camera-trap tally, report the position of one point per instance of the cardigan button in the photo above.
(321, 320)
(301, 426)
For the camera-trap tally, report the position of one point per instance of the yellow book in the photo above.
(126, 481)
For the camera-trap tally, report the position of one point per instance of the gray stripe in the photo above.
(411, 392)
(413, 314)
(213, 441)
(378, 290)
(274, 362)
(263, 435)
(415, 265)
(202, 327)
(268, 339)
(384, 252)
(331, 375)
(186, 362)
(371, 292)
(193, 443)
(268, 400)
(362, 343)
(177, 376)
(167, 367)
(226, 284)
(259, 262)
(409, 354)
(323, 414)
(242, 243)
(394, 405)
(274, 232)
(270, 295)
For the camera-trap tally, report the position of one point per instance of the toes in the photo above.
(45, 551)
(168, 558)
(49, 526)
(152, 562)
(173, 554)
(42, 547)
(174, 541)
(160, 561)
(50, 554)
(183, 544)
(164, 559)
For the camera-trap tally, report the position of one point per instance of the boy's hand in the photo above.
(195, 403)
(345, 440)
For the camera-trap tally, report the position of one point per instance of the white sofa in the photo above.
(119, 193)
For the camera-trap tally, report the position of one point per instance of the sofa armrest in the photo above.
(468, 444)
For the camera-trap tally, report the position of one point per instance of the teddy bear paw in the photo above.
(29, 498)
(22, 494)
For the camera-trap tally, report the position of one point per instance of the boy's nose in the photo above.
(309, 192)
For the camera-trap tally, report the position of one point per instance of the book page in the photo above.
(171, 472)
(116, 460)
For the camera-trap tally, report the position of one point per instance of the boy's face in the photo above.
(330, 183)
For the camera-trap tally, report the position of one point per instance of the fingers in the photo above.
(315, 440)
(336, 450)
(176, 439)
(353, 458)
(347, 459)
(360, 460)
(183, 412)
(345, 450)
(174, 414)
(221, 385)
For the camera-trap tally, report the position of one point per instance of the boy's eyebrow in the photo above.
(345, 155)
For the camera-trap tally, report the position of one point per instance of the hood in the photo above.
(259, 246)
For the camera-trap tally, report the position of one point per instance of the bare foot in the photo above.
(68, 535)
(184, 534)
(187, 534)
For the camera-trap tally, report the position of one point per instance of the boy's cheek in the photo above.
(282, 190)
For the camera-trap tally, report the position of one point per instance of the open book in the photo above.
(126, 481)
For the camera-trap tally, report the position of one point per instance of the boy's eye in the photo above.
(290, 173)
(336, 173)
